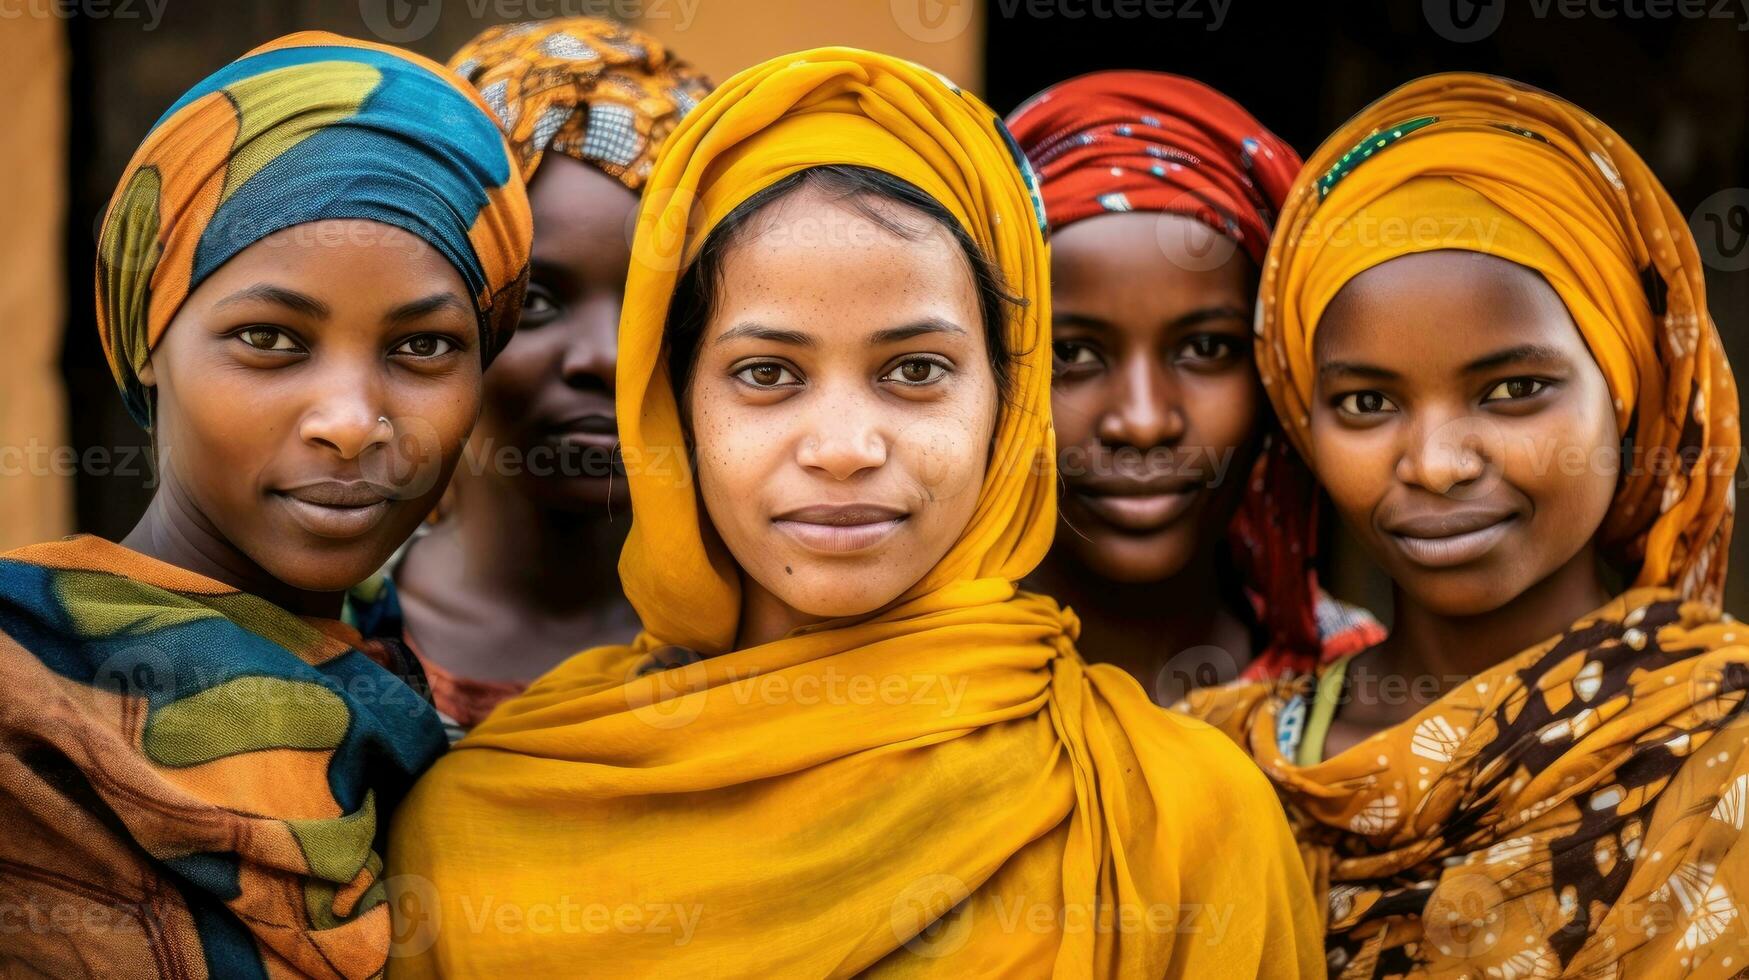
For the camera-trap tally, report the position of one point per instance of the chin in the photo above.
(1459, 593)
(833, 594)
(585, 494)
(1128, 559)
(324, 572)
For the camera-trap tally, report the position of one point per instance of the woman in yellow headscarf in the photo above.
(845, 742)
(1484, 324)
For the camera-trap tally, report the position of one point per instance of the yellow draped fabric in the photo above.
(1577, 809)
(940, 788)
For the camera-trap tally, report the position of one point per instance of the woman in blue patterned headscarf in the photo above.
(304, 270)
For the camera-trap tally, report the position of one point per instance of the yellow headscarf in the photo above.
(943, 787)
(1577, 809)
(1472, 162)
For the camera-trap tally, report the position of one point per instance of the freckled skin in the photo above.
(1528, 442)
(235, 422)
(903, 424)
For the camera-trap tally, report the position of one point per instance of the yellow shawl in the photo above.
(1577, 809)
(943, 787)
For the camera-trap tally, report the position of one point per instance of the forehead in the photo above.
(1433, 310)
(813, 257)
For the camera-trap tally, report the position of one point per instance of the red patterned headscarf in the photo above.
(1119, 141)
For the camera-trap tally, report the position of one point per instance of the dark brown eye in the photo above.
(1365, 403)
(267, 338)
(425, 345)
(1514, 388)
(917, 371)
(766, 375)
(1070, 354)
(1208, 347)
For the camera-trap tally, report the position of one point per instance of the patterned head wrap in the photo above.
(1149, 141)
(595, 91)
(1507, 170)
(306, 128)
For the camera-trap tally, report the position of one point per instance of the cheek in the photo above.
(1221, 409)
(514, 381)
(1074, 409)
(1568, 462)
(736, 450)
(1355, 466)
(220, 448)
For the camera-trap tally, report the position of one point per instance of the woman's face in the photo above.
(549, 395)
(1155, 398)
(1462, 427)
(842, 403)
(274, 377)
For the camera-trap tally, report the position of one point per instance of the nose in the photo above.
(846, 438)
(1146, 409)
(592, 350)
(347, 415)
(1446, 456)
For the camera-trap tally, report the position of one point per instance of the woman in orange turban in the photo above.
(1484, 324)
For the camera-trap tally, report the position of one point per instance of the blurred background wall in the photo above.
(88, 77)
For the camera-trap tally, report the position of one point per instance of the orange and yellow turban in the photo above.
(1472, 162)
(309, 127)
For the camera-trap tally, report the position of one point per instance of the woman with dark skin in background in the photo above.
(846, 743)
(200, 759)
(522, 567)
(1184, 548)
(1485, 324)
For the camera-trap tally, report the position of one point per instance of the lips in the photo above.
(1447, 540)
(1139, 505)
(840, 529)
(335, 509)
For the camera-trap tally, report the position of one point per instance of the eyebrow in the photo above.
(421, 308)
(1357, 369)
(289, 298)
(1487, 362)
(928, 325)
(1512, 355)
(1188, 319)
(754, 331)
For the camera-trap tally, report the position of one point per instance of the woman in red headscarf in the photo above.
(1187, 530)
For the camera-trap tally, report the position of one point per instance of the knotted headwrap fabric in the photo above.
(594, 90)
(1493, 166)
(1143, 141)
(873, 795)
(309, 127)
(1148, 141)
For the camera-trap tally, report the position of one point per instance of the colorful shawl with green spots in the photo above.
(193, 781)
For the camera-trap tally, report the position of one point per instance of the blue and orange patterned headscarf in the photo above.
(310, 127)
